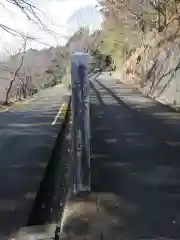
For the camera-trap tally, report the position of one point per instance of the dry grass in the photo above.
(3, 108)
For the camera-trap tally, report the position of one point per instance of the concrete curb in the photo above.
(177, 109)
(172, 107)
(40, 232)
(18, 103)
(158, 100)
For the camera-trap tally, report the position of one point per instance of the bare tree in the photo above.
(160, 8)
(34, 15)
(16, 72)
(165, 9)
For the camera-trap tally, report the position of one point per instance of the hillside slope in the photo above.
(155, 66)
(40, 67)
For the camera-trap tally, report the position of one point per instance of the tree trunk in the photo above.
(8, 92)
(15, 75)
(157, 7)
(175, 6)
(159, 21)
(165, 16)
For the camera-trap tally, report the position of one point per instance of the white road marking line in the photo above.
(56, 117)
(61, 113)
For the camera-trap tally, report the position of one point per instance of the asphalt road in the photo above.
(27, 137)
(135, 161)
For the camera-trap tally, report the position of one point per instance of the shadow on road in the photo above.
(135, 159)
(25, 151)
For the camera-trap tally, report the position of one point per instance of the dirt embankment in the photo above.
(155, 66)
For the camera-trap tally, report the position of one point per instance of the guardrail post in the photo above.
(80, 122)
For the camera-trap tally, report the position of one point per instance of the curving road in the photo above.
(135, 161)
(27, 138)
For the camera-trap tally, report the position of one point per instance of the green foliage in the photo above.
(96, 60)
(66, 80)
(127, 22)
(114, 43)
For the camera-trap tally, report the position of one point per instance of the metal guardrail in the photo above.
(80, 123)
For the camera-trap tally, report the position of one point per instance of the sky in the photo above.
(57, 11)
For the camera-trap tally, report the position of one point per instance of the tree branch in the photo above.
(30, 11)
(16, 72)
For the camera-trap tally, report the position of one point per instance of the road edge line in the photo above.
(61, 113)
